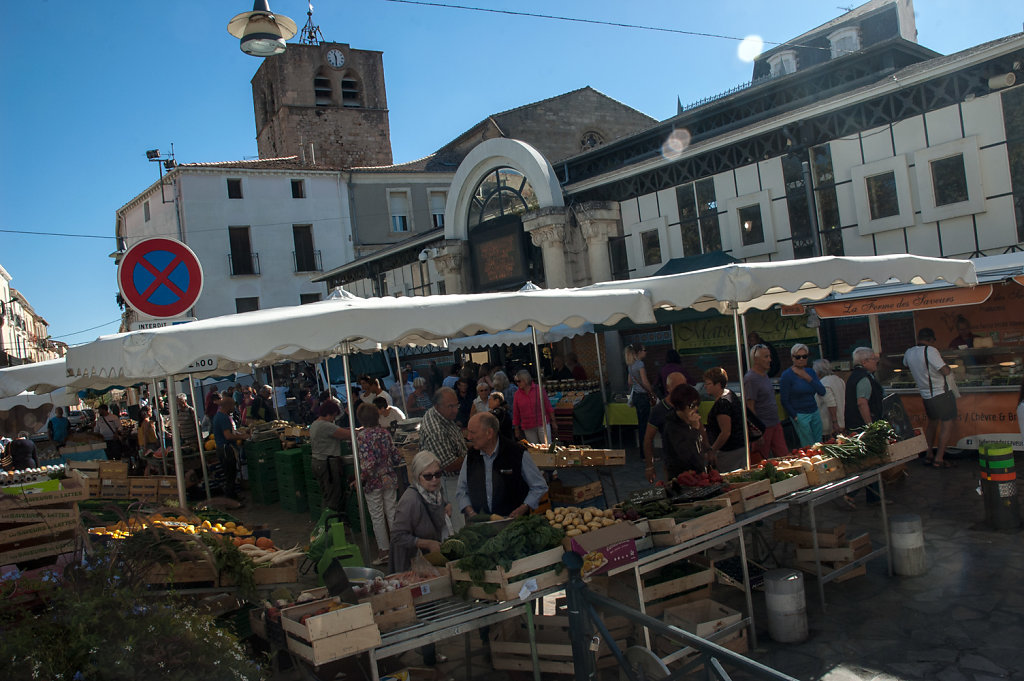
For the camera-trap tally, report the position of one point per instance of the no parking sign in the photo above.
(160, 277)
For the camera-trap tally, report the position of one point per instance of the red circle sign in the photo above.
(160, 277)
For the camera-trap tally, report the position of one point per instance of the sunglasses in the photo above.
(432, 476)
(799, 356)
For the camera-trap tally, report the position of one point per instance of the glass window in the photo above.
(145, 211)
(234, 188)
(503, 191)
(399, 205)
(751, 228)
(241, 258)
(437, 201)
(949, 177)
(698, 217)
(783, 62)
(1013, 123)
(651, 245)
(305, 255)
(298, 189)
(844, 41)
(883, 201)
(247, 304)
(306, 298)
(618, 257)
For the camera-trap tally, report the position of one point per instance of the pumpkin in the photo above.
(210, 445)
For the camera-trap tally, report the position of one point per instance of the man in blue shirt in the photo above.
(498, 475)
(59, 427)
(226, 438)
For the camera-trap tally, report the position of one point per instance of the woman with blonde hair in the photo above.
(640, 391)
(832, 404)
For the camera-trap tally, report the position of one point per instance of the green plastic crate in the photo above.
(294, 504)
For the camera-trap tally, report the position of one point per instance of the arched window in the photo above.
(503, 191)
(351, 94)
(844, 41)
(783, 62)
(591, 139)
(322, 90)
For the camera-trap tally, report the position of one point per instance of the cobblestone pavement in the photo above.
(963, 620)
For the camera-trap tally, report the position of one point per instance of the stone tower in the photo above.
(325, 104)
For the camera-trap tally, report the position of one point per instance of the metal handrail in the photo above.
(248, 264)
(582, 612)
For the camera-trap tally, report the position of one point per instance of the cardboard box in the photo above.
(332, 635)
(606, 548)
(703, 618)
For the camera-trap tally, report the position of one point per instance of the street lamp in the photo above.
(260, 32)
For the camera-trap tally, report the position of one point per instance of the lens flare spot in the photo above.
(676, 144)
(750, 48)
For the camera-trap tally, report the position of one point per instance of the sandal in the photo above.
(942, 463)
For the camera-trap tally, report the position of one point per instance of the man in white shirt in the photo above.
(930, 373)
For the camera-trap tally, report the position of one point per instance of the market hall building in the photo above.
(850, 139)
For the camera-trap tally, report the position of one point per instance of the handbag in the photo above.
(755, 427)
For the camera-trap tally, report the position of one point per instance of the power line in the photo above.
(91, 328)
(617, 24)
(79, 236)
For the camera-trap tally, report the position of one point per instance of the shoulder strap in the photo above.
(430, 516)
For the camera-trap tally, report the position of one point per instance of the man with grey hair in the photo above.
(863, 392)
(441, 435)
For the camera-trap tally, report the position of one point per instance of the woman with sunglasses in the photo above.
(686, 442)
(422, 522)
(797, 387)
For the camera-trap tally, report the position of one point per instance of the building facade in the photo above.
(24, 334)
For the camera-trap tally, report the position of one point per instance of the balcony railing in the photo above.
(307, 261)
(244, 264)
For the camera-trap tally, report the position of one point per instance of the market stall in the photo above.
(988, 373)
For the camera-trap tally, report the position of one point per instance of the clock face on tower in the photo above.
(336, 58)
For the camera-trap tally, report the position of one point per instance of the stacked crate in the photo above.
(314, 498)
(291, 480)
(37, 527)
(262, 469)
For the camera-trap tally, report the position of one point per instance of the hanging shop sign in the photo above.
(719, 332)
(905, 302)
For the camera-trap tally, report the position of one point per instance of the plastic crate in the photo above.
(294, 504)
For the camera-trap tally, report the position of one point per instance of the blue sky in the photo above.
(89, 87)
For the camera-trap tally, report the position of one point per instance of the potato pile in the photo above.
(575, 520)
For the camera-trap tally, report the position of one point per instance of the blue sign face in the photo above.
(151, 276)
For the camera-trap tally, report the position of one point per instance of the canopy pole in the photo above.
(179, 465)
(273, 394)
(401, 381)
(540, 389)
(327, 373)
(355, 454)
(154, 411)
(199, 434)
(600, 386)
(739, 363)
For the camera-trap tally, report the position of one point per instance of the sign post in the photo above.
(160, 277)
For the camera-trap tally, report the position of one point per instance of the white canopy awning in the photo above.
(745, 286)
(62, 397)
(552, 335)
(343, 324)
(39, 377)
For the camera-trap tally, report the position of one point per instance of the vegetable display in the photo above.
(870, 443)
(576, 520)
(487, 547)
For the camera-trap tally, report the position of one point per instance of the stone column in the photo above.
(449, 265)
(546, 228)
(599, 221)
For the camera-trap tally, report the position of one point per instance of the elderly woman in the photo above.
(378, 458)
(503, 385)
(831, 405)
(483, 392)
(797, 387)
(419, 402)
(725, 423)
(422, 522)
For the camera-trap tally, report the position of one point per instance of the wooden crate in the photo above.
(703, 618)
(909, 448)
(735, 641)
(824, 472)
(37, 547)
(510, 647)
(668, 532)
(330, 636)
(114, 470)
(569, 494)
(802, 536)
(72, 489)
(646, 542)
(38, 515)
(789, 485)
(392, 609)
(50, 528)
(658, 597)
(287, 573)
(533, 572)
(430, 590)
(188, 572)
(746, 496)
(114, 488)
(834, 558)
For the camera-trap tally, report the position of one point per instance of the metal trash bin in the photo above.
(787, 607)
